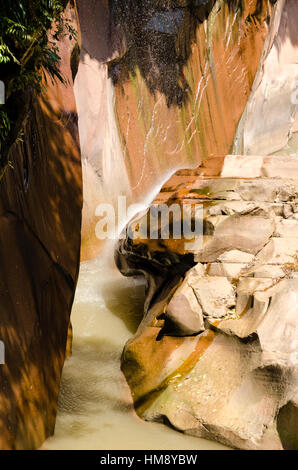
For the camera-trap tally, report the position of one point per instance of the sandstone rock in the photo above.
(226, 269)
(260, 166)
(103, 164)
(226, 396)
(40, 222)
(234, 390)
(163, 109)
(243, 369)
(246, 234)
(270, 117)
(271, 271)
(164, 123)
(286, 228)
(248, 207)
(185, 312)
(278, 251)
(273, 190)
(215, 295)
(287, 424)
(196, 271)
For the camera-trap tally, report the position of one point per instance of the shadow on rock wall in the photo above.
(40, 221)
(158, 35)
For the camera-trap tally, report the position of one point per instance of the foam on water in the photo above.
(95, 405)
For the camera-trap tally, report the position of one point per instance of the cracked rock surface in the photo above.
(217, 351)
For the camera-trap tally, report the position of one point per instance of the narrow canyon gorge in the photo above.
(149, 339)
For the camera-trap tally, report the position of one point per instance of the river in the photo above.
(95, 405)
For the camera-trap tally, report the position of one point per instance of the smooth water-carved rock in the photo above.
(162, 74)
(270, 119)
(103, 164)
(238, 381)
(40, 222)
(174, 104)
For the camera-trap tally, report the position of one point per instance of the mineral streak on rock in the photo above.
(163, 72)
(173, 80)
(239, 293)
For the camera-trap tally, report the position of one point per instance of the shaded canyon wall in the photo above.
(40, 223)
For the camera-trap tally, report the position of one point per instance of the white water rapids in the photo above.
(95, 405)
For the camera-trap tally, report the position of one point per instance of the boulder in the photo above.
(185, 312)
(236, 381)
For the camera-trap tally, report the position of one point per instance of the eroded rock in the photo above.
(185, 311)
(238, 383)
(40, 222)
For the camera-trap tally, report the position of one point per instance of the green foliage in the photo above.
(28, 50)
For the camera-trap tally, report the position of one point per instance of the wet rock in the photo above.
(165, 83)
(166, 22)
(242, 368)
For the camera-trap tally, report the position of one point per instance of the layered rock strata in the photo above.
(216, 354)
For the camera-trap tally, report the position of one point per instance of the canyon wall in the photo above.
(273, 102)
(160, 86)
(184, 81)
(103, 165)
(40, 223)
(154, 91)
(216, 353)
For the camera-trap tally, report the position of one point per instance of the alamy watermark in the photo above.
(176, 222)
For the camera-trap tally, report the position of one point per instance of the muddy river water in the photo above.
(95, 405)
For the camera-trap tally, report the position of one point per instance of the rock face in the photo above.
(153, 94)
(162, 73)
(173, 84)
(217, 351)
(103, 164)
(273, 101)
(40, 221)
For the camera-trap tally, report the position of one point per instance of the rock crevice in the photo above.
(240, 297)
